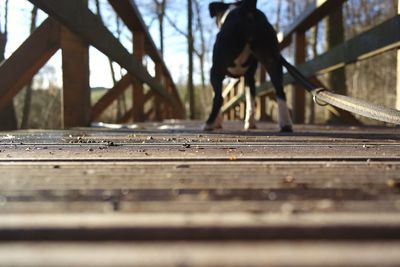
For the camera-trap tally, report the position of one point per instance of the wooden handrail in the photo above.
(130, 15)
(313, 13)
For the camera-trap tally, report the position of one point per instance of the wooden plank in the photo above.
(198, 227)
(233, 254)
(314, 13)
(104, 206)
(27, 60)
(76, 106)
(130, 15)
(85, 24)
(135, 175)
(160, 152)
(105, 101)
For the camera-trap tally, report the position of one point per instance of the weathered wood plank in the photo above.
(200, 152)
(24, 63)
(76, 88)
(199, 227)
(197, 175)
(280, 207)
(80, 20)
(233, 254)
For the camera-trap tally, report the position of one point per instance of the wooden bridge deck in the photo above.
(171, 195)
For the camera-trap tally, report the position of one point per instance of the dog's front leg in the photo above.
(215, 119)
(250, 120)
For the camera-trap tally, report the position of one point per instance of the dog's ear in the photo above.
(216, 8)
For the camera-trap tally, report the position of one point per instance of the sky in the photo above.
(175, 44)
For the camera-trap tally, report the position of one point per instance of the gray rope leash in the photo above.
(323, 96)
(357, 106)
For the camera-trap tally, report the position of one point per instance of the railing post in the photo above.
(398, 66)
(263, 99)
(158, 102)
(76, 106)
(232, 95)
(138, 93)
(242, 105)
(298, 92)
(167, 107)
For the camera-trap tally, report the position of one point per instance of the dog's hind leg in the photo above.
(250, 120)
(215, 119)
(275, 70)
(276, 73)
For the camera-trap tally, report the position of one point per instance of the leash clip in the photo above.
(315, 99)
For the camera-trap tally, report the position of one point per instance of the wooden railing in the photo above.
(380, 39)
(72, 27)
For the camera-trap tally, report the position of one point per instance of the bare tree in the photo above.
(8, 119)
(160, 11)
(278, 15)
(190, 59)
(121, 101)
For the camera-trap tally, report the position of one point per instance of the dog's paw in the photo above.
(250, 126)
(217, 124)
(286, 129)
(211, 127)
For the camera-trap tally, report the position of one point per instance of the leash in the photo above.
(323, 97)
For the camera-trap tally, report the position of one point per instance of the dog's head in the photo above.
(220, 11)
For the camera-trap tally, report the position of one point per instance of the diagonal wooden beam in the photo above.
(126, 117)
(27, 60)
(130, 15)
(112, 94)
(78, 18)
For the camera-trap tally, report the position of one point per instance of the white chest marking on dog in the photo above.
(221, 20)
(239, 69)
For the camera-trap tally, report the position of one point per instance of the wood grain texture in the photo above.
(168, 194)
(76, 106)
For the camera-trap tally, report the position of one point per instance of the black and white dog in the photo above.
(245, 38)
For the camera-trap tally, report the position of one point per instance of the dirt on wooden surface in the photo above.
(322, 193)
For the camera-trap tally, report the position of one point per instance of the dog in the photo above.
(245, 39)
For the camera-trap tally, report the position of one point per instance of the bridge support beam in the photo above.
(76, 105)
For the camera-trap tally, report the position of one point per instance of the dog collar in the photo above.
(225, 15)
